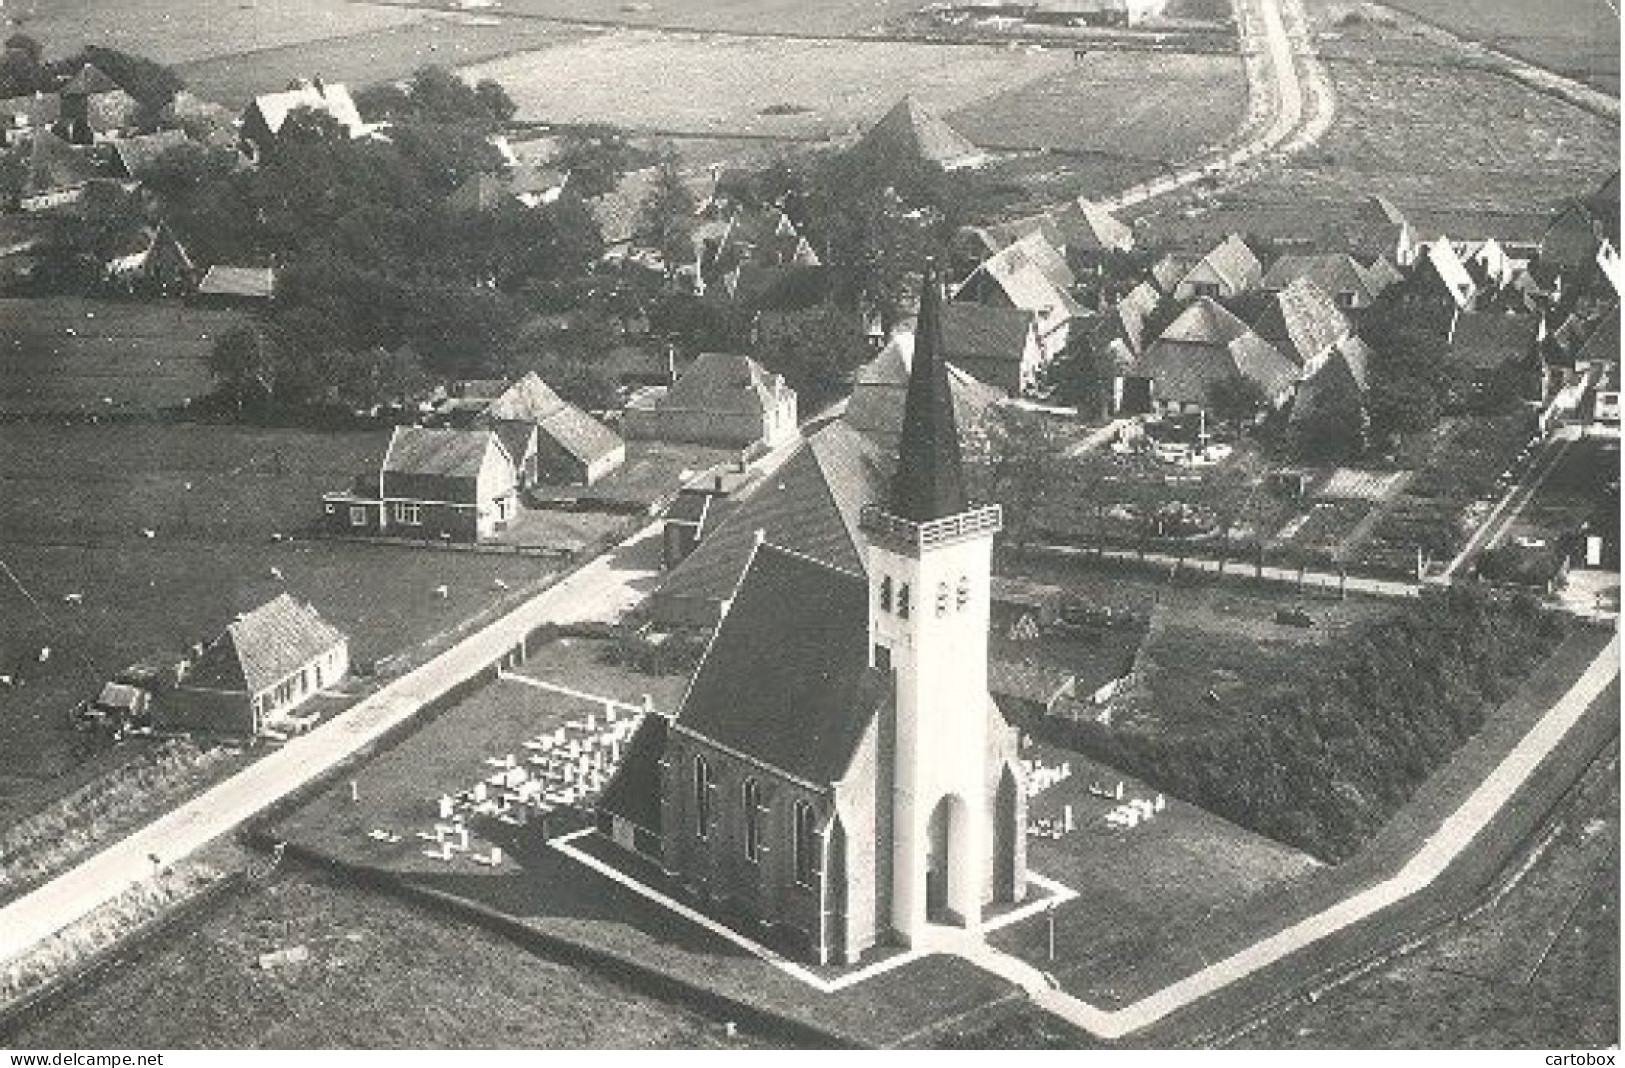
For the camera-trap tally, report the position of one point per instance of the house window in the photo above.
(942, 598)
(962, 595)
(358, 516)
(902, 600)
(410, 514)
(1345, 300)
(882, 657)
(885, 594)
(806, 844)
(752, 798)
(1205, 289)
(702, 797)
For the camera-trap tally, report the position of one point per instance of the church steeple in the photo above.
(929, 483)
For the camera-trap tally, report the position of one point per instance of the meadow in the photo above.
(776, 17)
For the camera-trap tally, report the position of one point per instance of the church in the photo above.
(837, 776)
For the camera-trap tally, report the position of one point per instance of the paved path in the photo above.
(598, 591)
(1454, 836)
(1501, 517)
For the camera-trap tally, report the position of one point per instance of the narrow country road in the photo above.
(1285, 80)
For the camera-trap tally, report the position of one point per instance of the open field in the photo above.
(75, 501)
(789, 17)
(71, 355)
(173, 31)
(1162, 107)
(383, 974)
(645, 80)
(376, 55)
(1460, 149)
(1576, 38)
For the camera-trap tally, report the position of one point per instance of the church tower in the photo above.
(930, 573)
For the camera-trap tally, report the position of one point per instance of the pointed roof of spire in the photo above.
(929, 483)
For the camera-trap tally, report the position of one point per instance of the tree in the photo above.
(597, 156)
(666, 216)
(816, 351)
(21, 72)
(1235, 399)
(243, 365)
(497, 102)
(1026, 470)
(1082, 375)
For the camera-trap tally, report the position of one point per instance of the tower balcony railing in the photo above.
(909, 535)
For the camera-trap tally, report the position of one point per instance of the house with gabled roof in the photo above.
(57, 173)
(94, 106)
(253, 677)
(1169, 268)
(1438, 277)
(265, 115)
(160, 265)
(434, 484)
(1031, 275)
(1205, 350)
(875, 408)
(1577, 230)
(1335, 391)
(912, 133)
(1378, 229)
(998, 346)
(1303, 323)
(1227, 270)
(550, 439)
(838, 774)
(1344, 279)
(721, 399)
(138, 154)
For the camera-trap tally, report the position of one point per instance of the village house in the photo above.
(160, 266)
(256, 674)
(1303, 323)
(1203, 352)
(1379, 230)
(1580, 230)
(1227, 270)
(1085, 234)
(95, 107)
(720, 399)
(57, 174)
(1438, 278)
(875, 408)
(838, 773)
(262, 120)
(137, 155)
(434, 484)
(21, 117)
(1351, 286)
(549, 439)
(1031, 275)
(998, 346)
(738, 237)
(699, 508)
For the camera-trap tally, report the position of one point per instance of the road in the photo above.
(1284, 78)
(1453, 837)
(600, 590)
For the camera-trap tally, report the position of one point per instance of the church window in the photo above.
(806, 843)
(942, 598)
(702, 797)
(902, 600)
(753, 819)
(885, 594)
(963, 595)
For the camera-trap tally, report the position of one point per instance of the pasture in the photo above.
(773, 17)
(74, 502)
(78, 356)
(683, 83)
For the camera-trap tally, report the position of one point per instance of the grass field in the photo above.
(73, 503)
(825, 18)
(644, 80)
(173, 31)
(72, 355)
(385, 54)
(382, 974)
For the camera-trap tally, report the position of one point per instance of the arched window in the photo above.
(963, 595)
(752, 798)
(902, 600)
(806, 844)
(942, 598)
(885, 594)
(702, 797)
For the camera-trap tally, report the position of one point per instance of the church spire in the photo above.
(929, 483)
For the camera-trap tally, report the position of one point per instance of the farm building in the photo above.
(1377, 229)
(1303, 323)
(1204, 352)
(95, 107)
(137, 155)
(1438, 278)
(910, 134)
(720, 399)
(1350, 285)
(1098, 12)
(760, 237)
(1578, 230)
(875, 408)
(550, 439)
(263, 118)
(23, 116)
(257, 673)
(1082, 231)
(240, 286)
(159, 266)
(837, 772)
(1032, 275)
(998, 346)
(1333, 394)
(57, 173)
(524, 184)
(1227, 270)
(435, 484)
